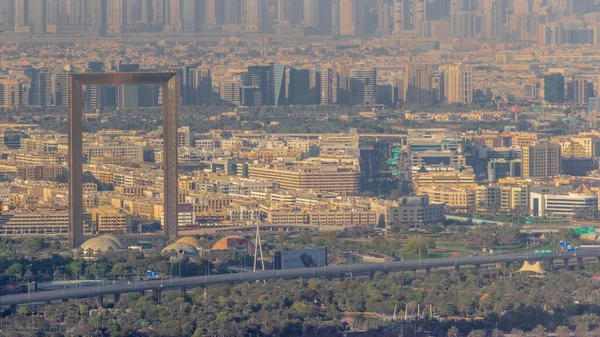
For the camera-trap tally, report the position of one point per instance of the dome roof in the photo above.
(182, 247)
(113, 239)
(235, 243)
(190, 241)
(100, 244)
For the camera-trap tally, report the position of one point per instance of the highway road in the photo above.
(332, 271)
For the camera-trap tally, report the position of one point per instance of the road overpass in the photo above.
(340, 271)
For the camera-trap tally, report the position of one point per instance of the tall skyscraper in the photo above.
(417, 84)
(98, 17)
(174, 16)
(203, 83)
(495, 16)
(335, 16)
(353, 16)
(384, 8)
(405, 15)
(95, 92)
(311, 14)
(52, 16)
(210, 11)
(363, 86)
(117, 16)
(554, 88)
(254, 15)
(303, 88)
(74, 12)
(37, 16)
(128, 95)
(324, 8)
(579, 90)
(231, 12)
(22, 23)
(187, 82)
(462, 19)
(458, 82)
(159, 14)
(276, 84)
(541, 160)
(61, 92)
(7, 17)
(328, 87)
(191, 20)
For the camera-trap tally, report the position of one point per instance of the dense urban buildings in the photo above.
(304, 133)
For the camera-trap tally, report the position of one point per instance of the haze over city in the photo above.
(299, 168)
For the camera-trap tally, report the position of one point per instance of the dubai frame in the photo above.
(170, 98)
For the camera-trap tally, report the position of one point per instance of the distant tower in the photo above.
(458, 80)
(383, 17)
(52, 16)
(417, 85)
(98, 22)
(117, 16)
(22, 16)
(363, 86)
(190, 19)
(37, 16)
(74, 8)
(174, 18)
(254, 15)
(210, 12)
(353, 15)
(231, 12)
(310, 17)
(203, 84)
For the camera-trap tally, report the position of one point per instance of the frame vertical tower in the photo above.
(170, 97)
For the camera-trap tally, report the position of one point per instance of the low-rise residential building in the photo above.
(108, 219)
(416, 211)
(461, 199)
(322, 177)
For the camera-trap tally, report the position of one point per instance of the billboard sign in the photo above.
(304, 258)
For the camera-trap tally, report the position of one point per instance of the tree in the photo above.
(75, 267)
(400, 227)
(453, 332)
(562, 331)
(330, 236)
(477, 333)
(420, 245)
(518, 332)
(539, 331)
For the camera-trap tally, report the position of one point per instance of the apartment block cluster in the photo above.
(549, 22)
(233, 180)
(532, 173)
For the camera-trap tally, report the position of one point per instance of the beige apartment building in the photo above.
(582, 146)
(329, 178)
(454, 179)
(341, 217)
(458, 198)
(114, 149)
(109, 219)
(541, 160)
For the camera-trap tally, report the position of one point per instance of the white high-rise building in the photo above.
(458, 80)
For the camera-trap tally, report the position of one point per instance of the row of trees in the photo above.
(316, 307)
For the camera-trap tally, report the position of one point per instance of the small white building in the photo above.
(562, 205)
